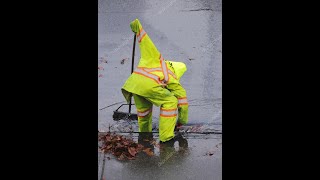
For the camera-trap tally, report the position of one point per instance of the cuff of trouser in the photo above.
(169, 143)
(179, 124)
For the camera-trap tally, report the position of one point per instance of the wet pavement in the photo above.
(193, 157)
(187, 31)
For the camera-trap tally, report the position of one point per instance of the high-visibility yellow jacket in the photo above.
(153, 70)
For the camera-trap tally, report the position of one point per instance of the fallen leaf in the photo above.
(132, 151)
(100, 68)
(121, 157)
(109, 146)
(148, 151)
(131, 158)
(108, 138)
(140, 146)
(121, 147)
(157, 145)
(125, 143)
(209, 153)
(117, 153)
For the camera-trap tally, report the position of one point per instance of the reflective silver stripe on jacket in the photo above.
(164, 69)
(149, 75)
(141, 35)
(159, 69)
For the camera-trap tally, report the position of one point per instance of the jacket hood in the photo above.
(179, 67)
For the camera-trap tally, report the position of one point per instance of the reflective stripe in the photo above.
(172, 74)
(148, 75)
(164, 69)
(144, 113)
(159, 69)
(168, 112)
(141, 35)
(152, 69)
(182, 101)
(161, 58)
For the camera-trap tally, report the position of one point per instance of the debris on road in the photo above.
(100, 68)
(209, 153)
(148, 151)
(122, 61)
(102, 60)
(122, 147)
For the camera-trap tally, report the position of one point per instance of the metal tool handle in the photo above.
(134, 46)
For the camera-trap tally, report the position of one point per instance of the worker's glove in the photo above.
(135, 26)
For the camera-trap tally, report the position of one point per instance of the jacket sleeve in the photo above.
(148, 51)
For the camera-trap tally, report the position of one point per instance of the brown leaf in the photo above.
(148, 151)
(109, 147)
(118, 153)
(119, 145)
(132, 151)
(131, 158)
(157, 145)
(126, 143)
(121, 157)
(133, 145)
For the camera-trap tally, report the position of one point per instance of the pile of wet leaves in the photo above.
(121, 147)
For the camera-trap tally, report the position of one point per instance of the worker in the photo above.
(156, 81)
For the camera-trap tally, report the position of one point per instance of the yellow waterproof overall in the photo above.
(156, 81)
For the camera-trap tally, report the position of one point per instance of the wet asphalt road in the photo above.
(199, 157)
(187, 31)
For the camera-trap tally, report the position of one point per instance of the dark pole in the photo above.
(134, 45)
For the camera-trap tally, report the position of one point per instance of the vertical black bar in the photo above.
(134, 46)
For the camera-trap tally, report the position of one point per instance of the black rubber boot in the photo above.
(169, 143)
